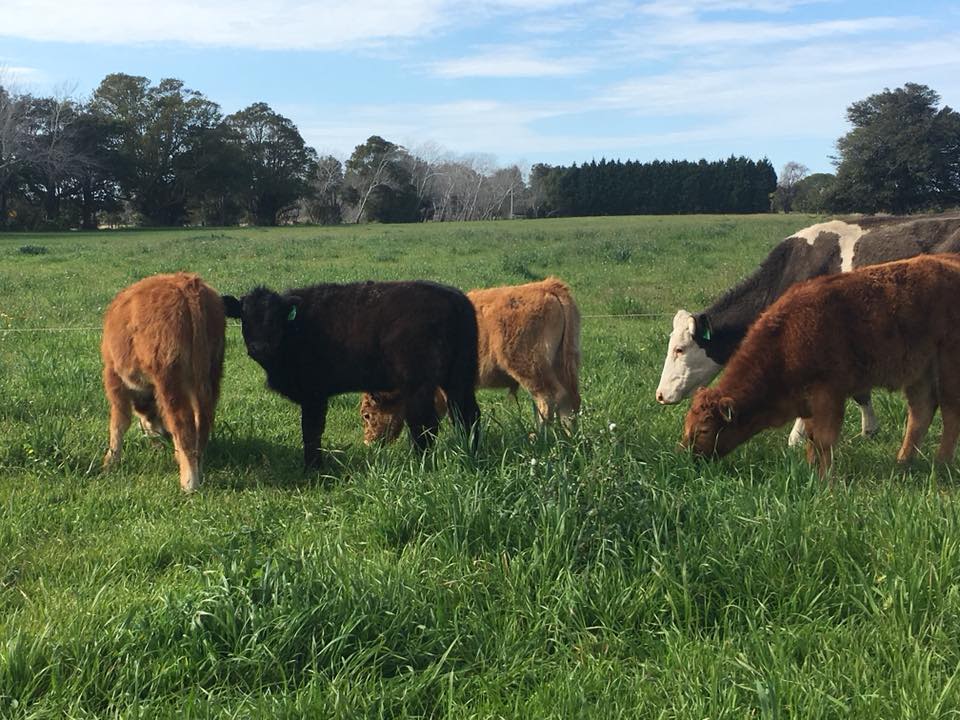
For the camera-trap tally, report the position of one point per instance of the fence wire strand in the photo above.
(97, 328)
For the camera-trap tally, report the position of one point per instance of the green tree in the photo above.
(161, 131)
(812, 194)
(379, 184)
(902, 155)
(280, 164)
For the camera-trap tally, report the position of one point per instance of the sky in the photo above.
(510, 81)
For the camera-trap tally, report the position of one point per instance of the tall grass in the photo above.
(600, 575)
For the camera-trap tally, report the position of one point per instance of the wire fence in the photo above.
(98, 328)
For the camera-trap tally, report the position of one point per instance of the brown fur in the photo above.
(529, 336)
(893, 325)
(162, 348)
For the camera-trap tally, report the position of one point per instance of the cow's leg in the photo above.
(207, 405)
(120, 416)
(949, 392)
(921, 404)
(868, 418)
(204, 419)
(313, 418)
(798, 435)
(951, 431)
(177, 412)
(549, 395)
(823, 428)
(422, 417)
(465, 413)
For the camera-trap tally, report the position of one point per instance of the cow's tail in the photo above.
(208, 325)
(462, 376)
(568, 361)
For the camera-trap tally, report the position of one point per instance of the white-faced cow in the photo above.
(162, 353)
(327, 339)
(892, 325)
(529, 336)
(701, 344)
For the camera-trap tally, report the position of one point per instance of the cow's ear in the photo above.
(728, 410)
(293, 306)
(231, 306)
(701, 327)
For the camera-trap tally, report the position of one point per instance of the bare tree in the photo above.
(377, 168)
(324, 204)
(791, 174)
(55, 157)
(14, 145)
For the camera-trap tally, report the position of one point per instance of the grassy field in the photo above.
(605, 575)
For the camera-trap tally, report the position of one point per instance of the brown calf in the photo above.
(893, 325)
(529, 336)
(162, 353)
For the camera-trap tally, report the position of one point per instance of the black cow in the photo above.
(328, 339)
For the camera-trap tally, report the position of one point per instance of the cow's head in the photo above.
(382, 415)
(266, 317)
(712, 427)
(687, 365)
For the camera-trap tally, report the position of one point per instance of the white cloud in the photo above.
(799, 95)
(681, 8)
(510, 62)
(272, 25)
(705, 34)
(14, 76)
(282, 24)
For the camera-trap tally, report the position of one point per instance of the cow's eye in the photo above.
(678, 351)
(366, 416)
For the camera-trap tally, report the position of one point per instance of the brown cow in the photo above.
(162, 349)
(892, 325)
(529, 336)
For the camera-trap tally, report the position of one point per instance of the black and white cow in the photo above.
(701, 343)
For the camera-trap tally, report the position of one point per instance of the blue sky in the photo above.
(513, 81)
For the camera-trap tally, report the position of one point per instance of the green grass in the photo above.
(605, 575)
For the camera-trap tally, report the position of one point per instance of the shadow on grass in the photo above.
(245, 463)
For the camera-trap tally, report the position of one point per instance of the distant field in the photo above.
(606, 575)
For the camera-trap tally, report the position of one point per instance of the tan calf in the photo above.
(529, 336)
(162, 350)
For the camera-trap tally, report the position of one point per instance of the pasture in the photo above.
(602, 575)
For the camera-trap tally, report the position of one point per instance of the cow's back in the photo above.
(518, 325)
(887, 239)
(161, 321)
(879, 325)
(375, 335)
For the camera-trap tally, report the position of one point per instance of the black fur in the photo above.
(328, 339)
(794, 260)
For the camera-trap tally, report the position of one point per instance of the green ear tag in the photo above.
(706, 334)
(293, 314)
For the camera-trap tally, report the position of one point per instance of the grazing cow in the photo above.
(529, 336)
(701, 344)
(162, 353)
(324, 340)
(892, 325)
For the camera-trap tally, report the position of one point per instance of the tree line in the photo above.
(137, 153)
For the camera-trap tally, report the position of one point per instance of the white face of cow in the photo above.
(687, 366)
